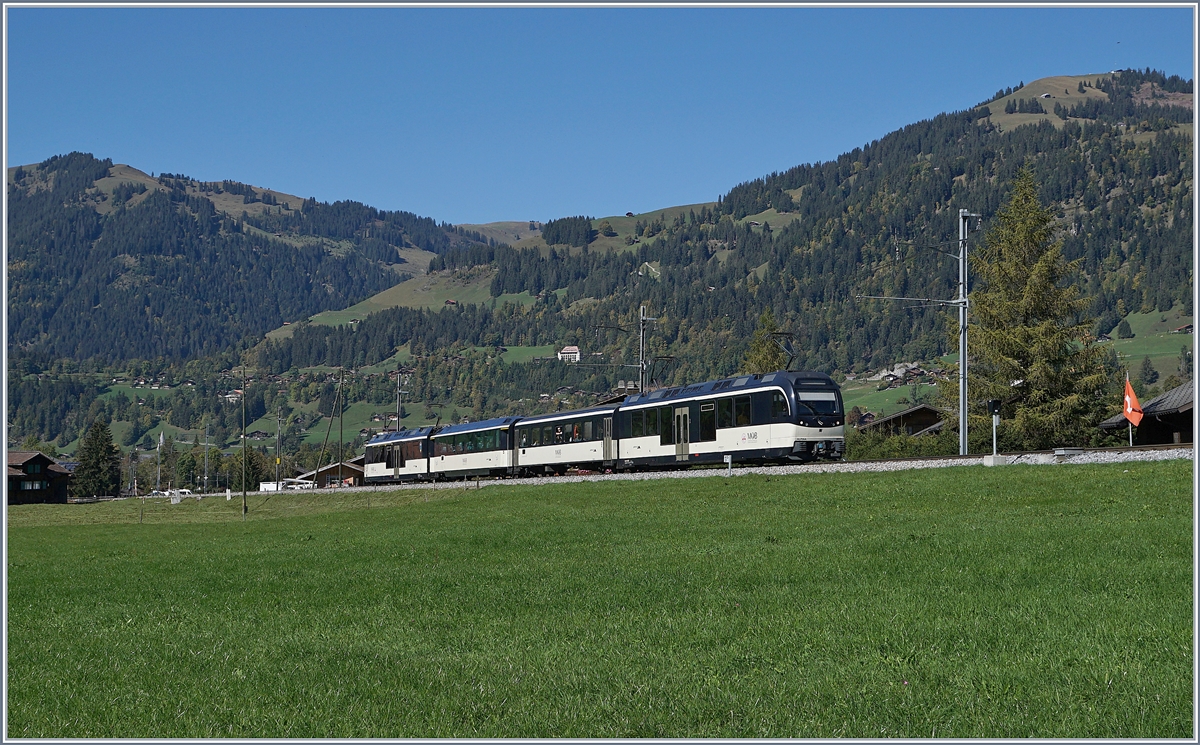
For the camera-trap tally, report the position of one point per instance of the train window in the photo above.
(587, 430)
(548, 434)
(779, 407)
(652, 425)
(741, 411)
(819, 402)
(708, 422)
(725, 413)
(637, 423)
(411, 451)
(523, 437)
(577, 432)
(558, 435)
(666, 416)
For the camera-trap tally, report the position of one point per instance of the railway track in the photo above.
(1034, 457)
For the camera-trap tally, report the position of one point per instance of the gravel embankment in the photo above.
(815, 468)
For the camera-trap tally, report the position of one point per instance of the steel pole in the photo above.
(962, 331)
(244, 443)
(641, 349)
(341, 429)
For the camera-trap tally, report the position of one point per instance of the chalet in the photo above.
(569, 354)
(918, 420)
(1166, 419)
(451, 302)
(351, 473)
(1183, 329)
(34, 477)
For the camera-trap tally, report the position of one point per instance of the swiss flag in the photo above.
(1133, 410)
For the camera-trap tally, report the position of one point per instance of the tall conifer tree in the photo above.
(1030, 342)
(99, 470)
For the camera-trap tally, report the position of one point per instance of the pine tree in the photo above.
(99, 470)
(1147, 373)
(764, 355)
(1028, 334)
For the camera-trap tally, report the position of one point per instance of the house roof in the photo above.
(18, 458)
(21, 457)
(1174, 401)
(907, 412)
(350, 468)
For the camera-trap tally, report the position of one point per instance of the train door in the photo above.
(609, 455)
(397, 459)
(682, 433)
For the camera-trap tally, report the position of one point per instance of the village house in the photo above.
(1166, 419)
(34, 477)
(918, 420)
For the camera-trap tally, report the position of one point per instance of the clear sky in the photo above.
(474, 115)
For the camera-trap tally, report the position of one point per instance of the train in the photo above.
(778, 417)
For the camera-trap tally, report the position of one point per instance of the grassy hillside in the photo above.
(1063, 89)
(517, 234)
(962, 602)
(1153, 337)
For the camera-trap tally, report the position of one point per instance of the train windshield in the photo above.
(817, 402)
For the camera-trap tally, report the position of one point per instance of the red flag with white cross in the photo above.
(1133, 410)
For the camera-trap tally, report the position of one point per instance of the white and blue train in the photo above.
(779, 417)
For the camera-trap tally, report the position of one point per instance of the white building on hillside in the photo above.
(569, 354)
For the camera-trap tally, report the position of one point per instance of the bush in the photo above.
(874, 445)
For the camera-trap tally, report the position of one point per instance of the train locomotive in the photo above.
(779, 417)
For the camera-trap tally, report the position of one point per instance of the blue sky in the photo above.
(474, 115)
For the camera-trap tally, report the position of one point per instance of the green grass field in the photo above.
(1049, 601)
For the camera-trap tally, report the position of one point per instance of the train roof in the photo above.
(498, 423)
(405, 434)
(606, 409)
(735, 385)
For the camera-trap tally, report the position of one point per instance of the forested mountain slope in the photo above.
(110, 264)
(1116, 164)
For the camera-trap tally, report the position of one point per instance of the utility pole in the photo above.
(278, 447)
(243, 443)
(961, 302)
(206, 457)
(158, 464)
(964, 218)
(643, 319)
(399, 380)
(341, 429)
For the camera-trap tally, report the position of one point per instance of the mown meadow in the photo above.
(1046, 601)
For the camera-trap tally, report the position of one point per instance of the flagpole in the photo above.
(1129, 406)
